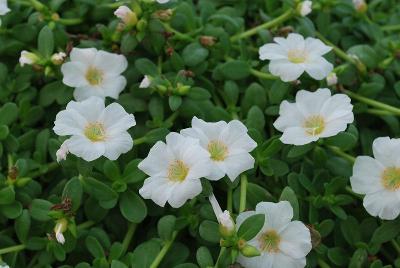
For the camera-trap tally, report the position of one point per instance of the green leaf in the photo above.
(386, 232)
(132, 207)
(234, 69)
(118, 264)
(8, 113)
(73, 190)
(289, 195)
(145, 253)
(98, 190)
(174, 102)
(39, 209)
(194, 54)
(198, 93)
(4, 131)
(7, 195)
(251, 227)
(111, 170)
(209, 231)
(94, 247)
(146, 67)
(166, 226)
(46, 42)
(22, 226)
(204, 257)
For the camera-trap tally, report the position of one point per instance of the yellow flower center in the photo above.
(94, 76)
(391, 178)
(269, 241)
(218, 150)
(177, 171)
(297, 56)
(95, 132)
(314, 125)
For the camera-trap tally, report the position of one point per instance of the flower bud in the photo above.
(163, 14)
(331, 79)
(4, 8)
(28, 58)
(58, 58)
(226, 224)
(360, 6)
(304, 8)
(21, 182)
(62, 153)
(126, 15)
(182, 89)
(59, 229)
(249, 251)
(207, 41)
(146, 82)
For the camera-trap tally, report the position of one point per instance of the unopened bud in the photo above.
(360, 6)
(331, 79)
(207, 41)
(126, 15)
(163, 14)
(55, 17)
(182, 89)
(146, 82)
(62, 153)
(250, 251)
(28, 58)
(226, 224)
(58, 58)
(59, 229)
(304, 8)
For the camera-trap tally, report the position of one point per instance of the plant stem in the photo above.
(163, 251)
(269, 24)
(178, 34)
(139, 140)
(128, 237)
(229, 200)
(360, 66)
(70, 21)
(323, 264)
(396, 246)
(85, 225)
(263, 75)
(12, 249)
(373, 103)
(379, 112)
(243, 192)
(50, 167)
(221, 252)
(391, 27)
(339, 152)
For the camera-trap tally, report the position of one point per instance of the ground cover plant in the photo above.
(210, 133)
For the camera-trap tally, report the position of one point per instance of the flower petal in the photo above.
(157, 161)
(282, 260)
(112, 86)
(384, 204)
(272, 52)
(311, 103)
(277, 215)
(315, 46)
(112, 64)
(366, 177)
(74, 74)
(286, 70)
(295, 240)
(116, 119)
(184, 191)
(386, 151)
(69, 122)
(297, 136)
(84, 148)
(237, 164)
(90, 108)
(83, 55)
(157, 189)
(289, 116)
(318, 68)
(117, 145)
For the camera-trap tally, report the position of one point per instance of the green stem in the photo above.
(71, 21)
(128, 237)
(139, 140)
(221, 252)
(177, 34)
(388, 28)
(12, 249)
(85, 225)
(396, 246)
(50, 167)
(360, 66)
(263, 75)
(373, 103)
(269, 24)
(163, 251)
(379, 112)
(323, 264)
(229, 200)
(339, 152)
(350, 191)
(243, 192)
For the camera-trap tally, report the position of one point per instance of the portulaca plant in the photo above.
(199, 134)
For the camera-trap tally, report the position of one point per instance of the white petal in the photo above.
(297, 136)
(384, 204)
(243, 216)
(74, 74)
(179, 144)
(111, 64)
(289, 116)
(112, 86)
(295, 41)
(60, 238)
(116, 119)
(366, 177)
(90, 108)
(315, 46)
(83, 55)
(69, 122)
(117, 145)
(277, 215)
(3, 7)
(216, 171)
(157, 161)
(387, 151)
(295, 240)
(84, 148)
(236, 138)
(83, 93)
(282, 260)
(237, 164)
(184, 191)
(311, 103)
(286, 70)
(318, 68)
(210, 129)
(337, 106)
(336, 126)
(157, 189)
(272, 52)
(264, 261)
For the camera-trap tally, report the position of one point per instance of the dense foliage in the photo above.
(202, 58)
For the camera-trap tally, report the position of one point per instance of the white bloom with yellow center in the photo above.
(292, 56)
(378, 178)
(314, 115)
(228, 144)
(175, 169)
(95, 130)
(94, 73)
(4, 7)
(281, 242)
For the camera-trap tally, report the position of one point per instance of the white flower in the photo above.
(175, 169)
(4, 265)
(228, 144)
(314, 115)
(62, 153)
(292, 56)
(95, 130)
(331, 79)
(162, 1)
(224, 218)
(379, 178)
(27, 58)
(94, 73)
(126, 15)
(4, 7)
(58, 58)
(59, 229)
(145, 82)
(282, 243)
(305, 8)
